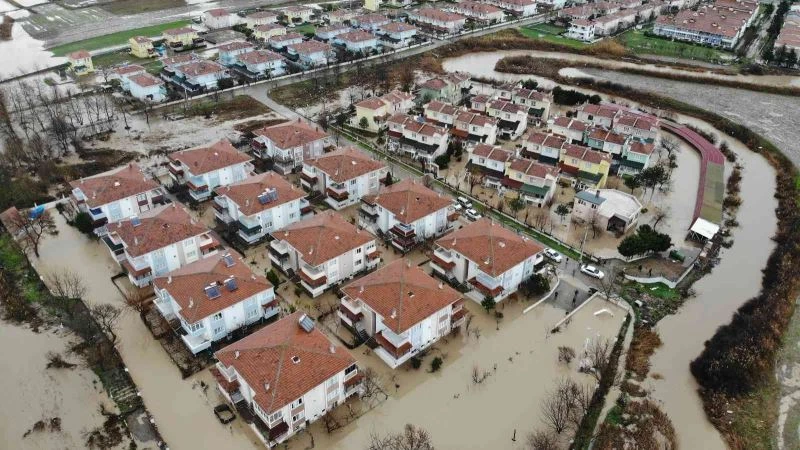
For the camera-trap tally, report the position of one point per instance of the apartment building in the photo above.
(196, 76)
(370, 22)
(440, 113)
(325, 34)
(260, 64)
(492, 259)
(267, 31)
(180, 37)
(219, 18)
(287, 375)
(451, 88)
(158, 241)
(343, 176)
(573, 130)
(474, 127)
(600, 115)
(259, 205)
(202, 169)
(323, 250)
(213, 297)
(479, 12)
(289, 144)
(402, 308)
(437, 20)
(310, 54)
(408, 213)
(297, 15)
(116, 195)
(637, 125)
(635, 157)
(260, 18)
(142, 47)
(229, 51)
(519, 8)
(581, 30)
(608, 141)
(281, 41)
(709, 25)
(396, 35)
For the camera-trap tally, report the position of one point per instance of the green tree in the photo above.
(530, 84)
(488, 303)
(442, 161)
(436, 364)
(562, 210)
(645, 240)
(273, 278)
(388, 180)
(363, 123)
(632, 183)
(83, 222)
(537, 284)
(516, 204)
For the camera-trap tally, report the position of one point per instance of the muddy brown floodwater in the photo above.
(738, 276)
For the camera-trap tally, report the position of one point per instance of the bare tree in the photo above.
(33, 228)
(609, 284)
(67, 288)
(107, 316)
(475, 178)
(581, 399)
(371, 384)
(541, 440)
(594, 223)
(660, 214)
(598, 354)
(557, 407)
(412, 438)
(566, 354)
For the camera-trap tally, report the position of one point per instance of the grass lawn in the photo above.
(116, 58)
(659, 290)
(306, 28)
(550, 33)
(639, 43)
(120, 38)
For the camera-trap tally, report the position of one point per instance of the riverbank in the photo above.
(740, 429)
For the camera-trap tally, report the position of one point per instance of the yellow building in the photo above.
(180, 36)
(588, 167)
(266, 31)
(142, 47)
(298, 14)
(372, 5)
(80, 62)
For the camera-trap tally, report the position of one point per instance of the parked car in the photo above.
(592, 271)
(552, 254)
(472, 214)
(457, 206)
(464, 201)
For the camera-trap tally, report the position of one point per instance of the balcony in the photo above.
(271, 309)
(78, 195)
(305, 207)
(249, 228)
(98, 216)
(196, 344)
(350, 312)
(175, 169)
(339, 194)
(458, 318)
(312, 276)
(308, 177)
(368, 212)
(141, 276)
(403, 230)
(457, 306)
(157, 196)
(220, 203)
(443, 259)
(487, 285)
(352, 383)
(393, 349)
(452, 216)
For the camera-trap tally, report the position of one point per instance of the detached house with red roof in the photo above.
(635, 157)
(396, 34)
(437, 20)
(573, 130)
(229, 51)
(197, 75)
(638, 126)
(213, 297)
(493, 259)
(583, 167)
(202, 169)
(605, 140)
(408, 212)
(377, 109)
(492, 161)
(357, 41)
(417, 138)
(512, 118)
(534, 182)
(323, 251)
(289, 144)
(158, 241)
(343, 176)
(219, 18)
(519, 8)
(478, 12)
(259, 205)
(260, 64)
(538, 103)
(288, 374)
(545, 148)
(116, 195)
(474, 127)
(602, 115)
(402, 309)
(451, 88)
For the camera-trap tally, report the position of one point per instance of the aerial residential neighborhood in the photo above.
(399, 225)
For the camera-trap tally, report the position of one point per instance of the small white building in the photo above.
(512, 118)
(637, 125)
(491, 258)
(519, 8)
(437, 20)
(260, 18)
(635, 157)
(397, 34)
(202, 169)
(609, 209)
(357, 41)
(479, 12)
(545, 148)
(116, 195)
(230, 51)
(370, 22)
(310, 54)
(375, 110)
(323, 250)
(440, 113)
(475, 127)
(534, 182)
(408, 212)
(573, 130)
(282, 41)
(200, 75)
(289, 374)
(416, 138)
(158, 241)
(259, 205)
(260, 64)
(343, 176)
(331, 31)
(581, 30)
(538, 103)
(147, 88)
(602, 115)
(213, 297)
(402, 308)
(289, 144)
(492, 161)
(219, 18)
(124, 72)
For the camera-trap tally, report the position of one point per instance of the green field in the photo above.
(152, 65)
(550, 33)
(639, 43)
(120, 38)
(306, 28)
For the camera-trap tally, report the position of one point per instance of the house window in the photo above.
(358, 262)
(358, 250)
(252, 313)
(219, 330)
(350, 369)
(297, 402)
(191, 254)
(298, 417)
(218, 316)
(195, 327)
(353, 182)
(333, 381)
(274, 417)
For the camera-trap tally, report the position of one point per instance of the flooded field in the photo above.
(521, 359)
(32, 393)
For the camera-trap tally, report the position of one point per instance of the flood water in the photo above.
(734, 281)
(482, 64)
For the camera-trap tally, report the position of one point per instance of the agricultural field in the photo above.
(552, 34)
(640, 43)
(119, 38)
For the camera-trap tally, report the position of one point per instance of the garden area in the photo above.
(552, 34)
(642, 42)
(114, 39)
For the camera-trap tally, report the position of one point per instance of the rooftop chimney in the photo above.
(236, 355)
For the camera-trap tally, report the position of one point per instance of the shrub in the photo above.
(416, 362)
(488, 303)
(436, 364)
(273, 278)
(83, 222)
(442, 161)
(646, 240)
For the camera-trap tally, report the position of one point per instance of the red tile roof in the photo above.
(145, 80)
(403, 294)
(409, 200)
(291, 134)
(80, 54)
(107, 188)
(128, 69)
(356, 36)
(234, 45)
(245, 193)
(641, 148)
(202, 160)
(492, 247)
(158, 229)
(259, 57)
(310, 47)
(346, 164)
(492, 152)
(282, 362)
(187, 286)
(323, 237)
(533, 168)
(201, 67)
(179, 31)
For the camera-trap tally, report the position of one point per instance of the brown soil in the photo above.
(644, 344)
(252, 125)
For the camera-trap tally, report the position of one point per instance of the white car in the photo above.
(464, 201)
(457, 206)
(472, 214)
(552, 254)
(592, 271)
